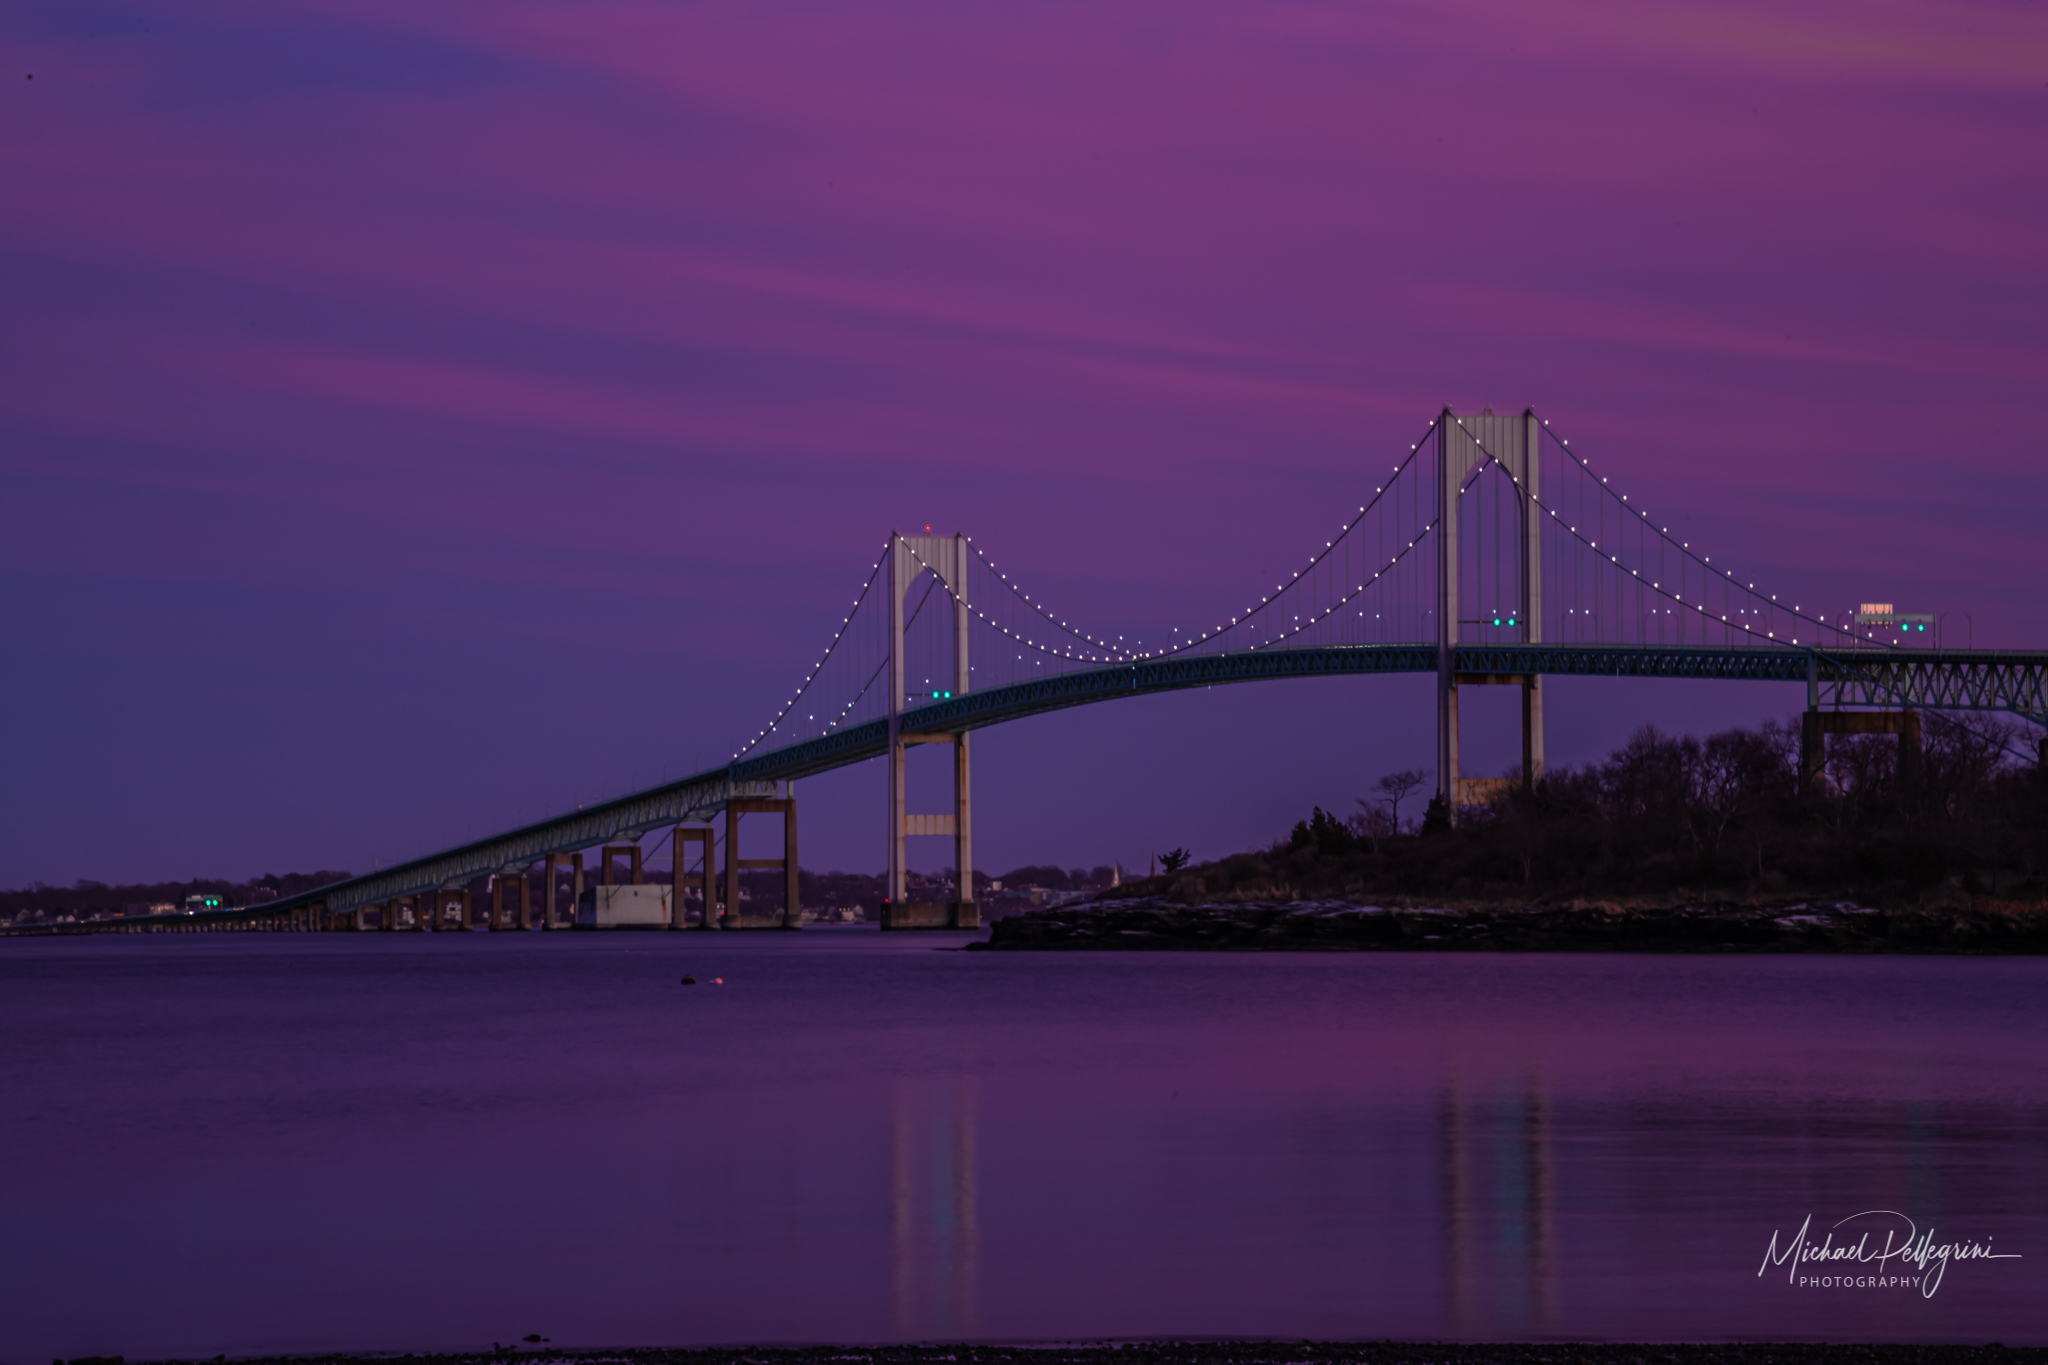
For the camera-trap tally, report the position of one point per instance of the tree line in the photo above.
(1665, 812)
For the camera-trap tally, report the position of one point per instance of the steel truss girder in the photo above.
(1988, 680)
(1929, 679)
(1984, 680)
(1731, 663)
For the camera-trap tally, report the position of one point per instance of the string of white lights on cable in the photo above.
(1113, 653)
(1028, 643)
(1195, 642)
(847, 709)
(1683, 548)
(1270, 641)
(1350, 596)
(1329, 547)
(1026, 598)
(811, 677)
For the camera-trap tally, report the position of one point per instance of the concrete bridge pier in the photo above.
(510, 907)
(442, 906)
(550, 896)
(792, 905)
(705, 880)
(1816, 725)
(553, 916)
(605, 866)
(961, 912)
(1479, 791)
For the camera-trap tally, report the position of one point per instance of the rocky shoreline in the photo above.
(1152, 923)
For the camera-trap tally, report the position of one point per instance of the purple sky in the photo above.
(417, 418)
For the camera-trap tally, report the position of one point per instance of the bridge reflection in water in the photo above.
(1498, 1202)
(1491, 1214)
(933, 1207)
(858, 1140)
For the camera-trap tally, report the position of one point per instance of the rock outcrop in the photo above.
(1340, 926)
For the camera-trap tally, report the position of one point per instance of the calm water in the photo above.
(299, 1143)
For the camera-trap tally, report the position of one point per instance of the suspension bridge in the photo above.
(1489, 553)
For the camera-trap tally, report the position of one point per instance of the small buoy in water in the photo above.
(689, 981)
(718, 981)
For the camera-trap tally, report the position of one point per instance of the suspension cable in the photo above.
(1655, 586)
(1684, 549)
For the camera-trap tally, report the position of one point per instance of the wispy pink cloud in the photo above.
(508, 302)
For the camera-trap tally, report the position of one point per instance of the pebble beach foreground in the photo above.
(1226, 1353)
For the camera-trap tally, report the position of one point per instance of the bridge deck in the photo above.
(2001, 680)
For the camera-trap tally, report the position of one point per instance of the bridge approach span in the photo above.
(1998, 680)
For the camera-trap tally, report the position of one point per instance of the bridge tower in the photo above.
(945, 556)
(1463, 444)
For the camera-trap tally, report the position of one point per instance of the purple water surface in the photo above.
(313, 1142)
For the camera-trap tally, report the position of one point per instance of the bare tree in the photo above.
(1393, 788)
